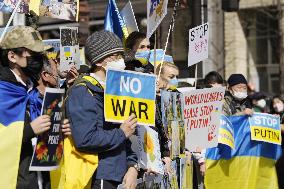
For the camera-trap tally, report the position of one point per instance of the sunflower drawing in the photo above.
(149, 146)
(59, 150)
(41, 151)
(50, 108)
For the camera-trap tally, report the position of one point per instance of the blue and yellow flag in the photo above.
(13, 101)
(250, 165)
(114, 21)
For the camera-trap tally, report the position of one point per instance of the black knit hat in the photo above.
(102, 44)
(235, 79)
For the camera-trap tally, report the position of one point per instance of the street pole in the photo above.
(281, 61)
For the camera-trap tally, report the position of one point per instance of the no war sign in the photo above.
(265, 127)
(129, 93)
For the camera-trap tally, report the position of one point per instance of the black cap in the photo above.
(235, 79)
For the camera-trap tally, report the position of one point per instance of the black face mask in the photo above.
(34, 66)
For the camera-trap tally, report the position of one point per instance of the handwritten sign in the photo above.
(201, 113)
(69, 48)
(129, 93)
(48, 150)
(266, 128)
(156, 11)
(198, 44)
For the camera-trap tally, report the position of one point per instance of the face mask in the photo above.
(117, 65)
(279, 107)
(240, 95)
(143, 57)
(173, 83)
(261, 103)
(34, 66)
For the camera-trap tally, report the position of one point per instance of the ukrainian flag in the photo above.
(251, 165)
(114, 21)
(13, 101)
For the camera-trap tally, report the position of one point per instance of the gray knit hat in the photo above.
(102, 44)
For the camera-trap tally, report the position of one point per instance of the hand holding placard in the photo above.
(129, 125)
(41, 124)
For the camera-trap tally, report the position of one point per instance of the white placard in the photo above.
(69, 48)
(147, 147)
(201, 114)
(156, 11)
(198, 44)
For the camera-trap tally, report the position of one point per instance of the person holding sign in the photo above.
(235, 100)
(167, 81)
(21, 60)
(91, 134)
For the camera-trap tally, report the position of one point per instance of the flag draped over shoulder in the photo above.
(13, 101)
(114, 21)
(250, 165)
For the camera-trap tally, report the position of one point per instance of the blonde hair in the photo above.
(165, 64)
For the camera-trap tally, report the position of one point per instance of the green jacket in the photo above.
(232, 106)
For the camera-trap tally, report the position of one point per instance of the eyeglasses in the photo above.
(54, 76)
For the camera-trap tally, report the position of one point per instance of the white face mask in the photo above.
(279, 107)
(117, 65)
(240, 95)
(261, 103)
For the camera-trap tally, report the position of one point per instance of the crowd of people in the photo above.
(25, 67)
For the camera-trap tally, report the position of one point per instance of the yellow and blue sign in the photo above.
(129, 93)
(266, 128)
(251, 164)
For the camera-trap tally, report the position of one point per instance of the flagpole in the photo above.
(172, 24)
(155, 53)
(10, 19)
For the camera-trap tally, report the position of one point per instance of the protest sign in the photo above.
(171, 107)
(69, 48)
(201, 113)
(9, 5)
(226, 132)
(129, 93)
(156, 11)
(55, 43)
(48, 150)
(128, 16)
(67, 10)
(198, 44)
(147, 147)
(266, 128)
